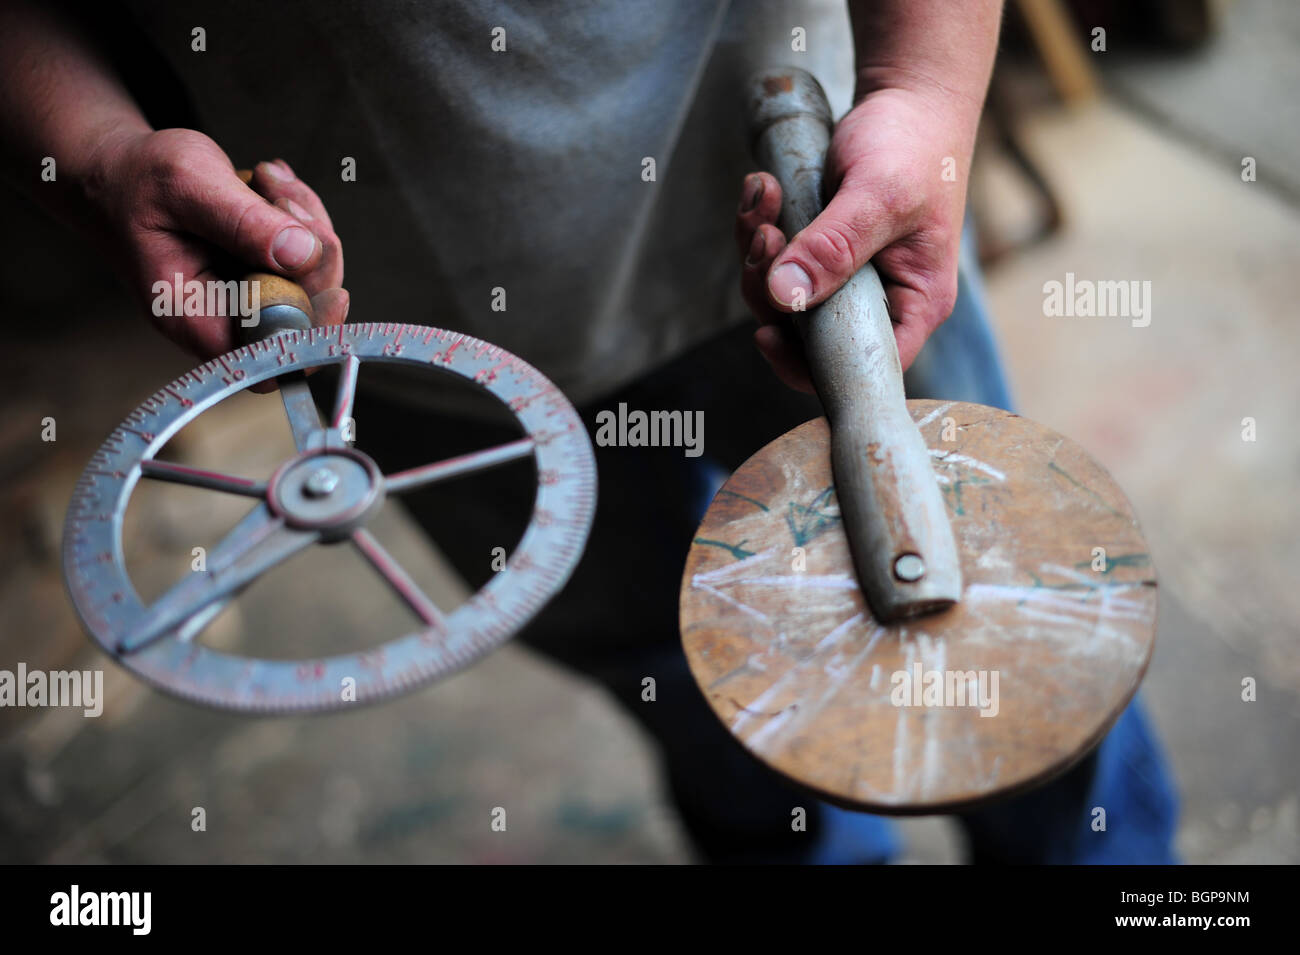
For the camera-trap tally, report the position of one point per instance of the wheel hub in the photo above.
(331, 491)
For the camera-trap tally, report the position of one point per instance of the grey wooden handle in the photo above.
(894, 515)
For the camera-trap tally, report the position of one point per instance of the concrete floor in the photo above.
(417, 779)
(1162, 408)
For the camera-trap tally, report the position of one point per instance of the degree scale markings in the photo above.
(541, 563)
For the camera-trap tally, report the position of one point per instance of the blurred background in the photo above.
(1122, 164)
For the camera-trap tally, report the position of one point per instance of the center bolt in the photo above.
(320, 483)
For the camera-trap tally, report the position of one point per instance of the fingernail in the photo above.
(756, 248)
(275, 171)
(785, 279)
(753, 192)
(347, 305)
(297, 211)
(286, 167)
(293, 247)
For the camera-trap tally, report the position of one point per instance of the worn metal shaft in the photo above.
(894, 514)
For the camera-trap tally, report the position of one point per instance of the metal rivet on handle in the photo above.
(909, 567)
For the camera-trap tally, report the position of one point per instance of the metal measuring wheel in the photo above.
(325, 493)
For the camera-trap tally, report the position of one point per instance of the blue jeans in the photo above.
(616, 622)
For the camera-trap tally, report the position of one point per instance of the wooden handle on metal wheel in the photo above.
(894, 514)
(283, 304)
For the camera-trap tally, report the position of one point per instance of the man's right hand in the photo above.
(170, 201)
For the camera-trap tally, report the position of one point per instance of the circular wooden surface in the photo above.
(1034, 664)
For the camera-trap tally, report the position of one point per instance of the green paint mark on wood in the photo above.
(1088, 587)
(735, 550)
(1123, 560)
(1083, 487)
(954, 491)
(808, 521)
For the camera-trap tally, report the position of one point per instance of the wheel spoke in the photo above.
(346, 394)
(196, 624)
(397, 578)
(304, 419)
(198, 477)
(258, 543)
(455, 467)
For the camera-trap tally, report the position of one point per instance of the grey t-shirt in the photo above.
(523, 170)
